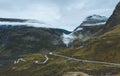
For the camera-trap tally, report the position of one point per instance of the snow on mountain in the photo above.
(86, 29)
(96, 17)
(93, 20)
(68, 38)
(94, 24)
(79, 29)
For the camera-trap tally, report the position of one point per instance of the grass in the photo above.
(104, 48)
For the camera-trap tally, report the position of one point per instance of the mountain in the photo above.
(18, 37)
(91, 24)
(113, 20)
(87, 29)
(103, 48)
(93, 20)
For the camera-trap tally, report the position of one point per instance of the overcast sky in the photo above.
(67, 14)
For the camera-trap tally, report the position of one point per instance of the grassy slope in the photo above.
(103, 48)
(29, 40)
(55, 67)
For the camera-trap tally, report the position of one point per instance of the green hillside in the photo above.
(104, 48)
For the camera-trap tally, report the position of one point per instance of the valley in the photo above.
(91, 49)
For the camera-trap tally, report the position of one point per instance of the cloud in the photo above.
(67, 14)
(33, 11)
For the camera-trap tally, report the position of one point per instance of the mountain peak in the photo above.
(113, 20)
(95, 17)
(93, 20)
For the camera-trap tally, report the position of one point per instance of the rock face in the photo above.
(113, 20)
(16, 38)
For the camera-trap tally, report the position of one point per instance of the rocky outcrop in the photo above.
(113, 20)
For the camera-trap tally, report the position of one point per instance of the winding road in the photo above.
(86, 61)
(46, 59)
(36, 62)
(70, 58)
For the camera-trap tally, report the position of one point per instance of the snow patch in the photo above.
(79, 29)
(96, 24)
(96, 17)
(67, 39)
